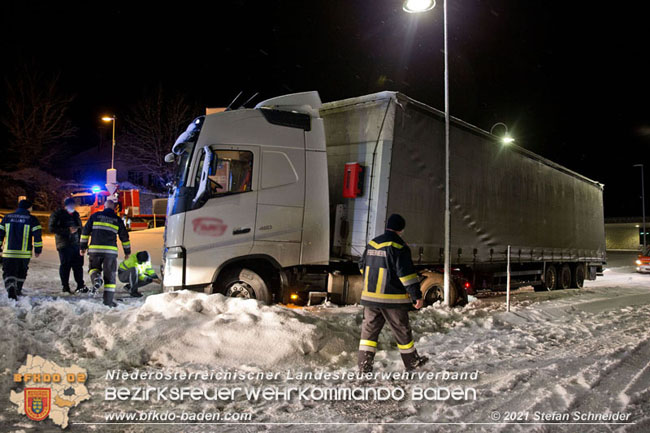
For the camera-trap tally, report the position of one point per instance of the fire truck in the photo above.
(128, 207)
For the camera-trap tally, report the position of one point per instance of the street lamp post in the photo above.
(507, 138)
(642, 204)
(111, 173)
(112, 120)
(418, 6)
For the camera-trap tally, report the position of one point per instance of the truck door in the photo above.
(221, 224)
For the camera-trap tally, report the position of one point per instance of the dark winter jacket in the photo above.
(60, 223)
(103, 228)
(16, 233)
(389, 277)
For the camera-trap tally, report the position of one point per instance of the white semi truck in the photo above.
(278, 202)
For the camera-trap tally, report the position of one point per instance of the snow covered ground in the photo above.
(563, 351)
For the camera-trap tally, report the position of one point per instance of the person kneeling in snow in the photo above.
(137, 272)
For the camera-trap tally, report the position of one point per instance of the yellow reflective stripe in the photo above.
(98, 223)
(405, 346)
(109, 285)
(377, 246)
(25, 236)
(380, 280)
(365, 278)
(18, 252)
(38, 244)
(84, 237)
(90, 271)
(368, 343)
(126, 244)
(123, 266)
(37, 228)
(103, 247)
(407, 279)
(2, 227)
(385, 295)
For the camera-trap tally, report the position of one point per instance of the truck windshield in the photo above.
(183, 149)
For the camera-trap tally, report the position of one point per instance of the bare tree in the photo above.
(152, 127)
(36, 115)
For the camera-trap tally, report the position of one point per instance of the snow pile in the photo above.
(188, 327)
(173, 329)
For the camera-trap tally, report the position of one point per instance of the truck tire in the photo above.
(564, 280)
(244, 283)
(578, 280)
(550, 277)
(432, 288)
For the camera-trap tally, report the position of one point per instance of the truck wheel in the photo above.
(564, 282)
(432, 288)
(550, 278)
(150, 225)
(578, 276)
(244, 283)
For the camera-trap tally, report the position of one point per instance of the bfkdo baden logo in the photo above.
(37, 403)
(49, 391)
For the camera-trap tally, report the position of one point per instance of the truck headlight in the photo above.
(638, 262)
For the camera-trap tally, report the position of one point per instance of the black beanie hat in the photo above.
(68, 201)
(142, 256)
(396, 222)
(24, 204)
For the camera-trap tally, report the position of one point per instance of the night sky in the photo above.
(571, 79)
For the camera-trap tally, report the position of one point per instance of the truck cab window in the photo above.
(231, 172)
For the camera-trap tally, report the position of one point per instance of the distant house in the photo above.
(90, 166)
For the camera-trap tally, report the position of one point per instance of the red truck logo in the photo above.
(209, 227)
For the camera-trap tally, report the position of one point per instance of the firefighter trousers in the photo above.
(373, 321)
(14, 272)
(130, 276)
(106, 264)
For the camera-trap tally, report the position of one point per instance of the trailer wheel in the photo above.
(578, 276)
(550, 278)
(564, 282)
(244, 283)
(432, 288)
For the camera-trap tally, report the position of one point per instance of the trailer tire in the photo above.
(244, 283)
(432, 288)
(578, 280)
(550, 277)
(564, 280)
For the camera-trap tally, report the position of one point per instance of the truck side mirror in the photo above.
(170, 157)
(205, 172)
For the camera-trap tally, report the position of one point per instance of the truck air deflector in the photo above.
(287, 118)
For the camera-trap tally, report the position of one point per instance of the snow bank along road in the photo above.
(556, 352)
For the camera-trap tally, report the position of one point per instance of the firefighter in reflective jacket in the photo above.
(390, 288)
(103, 228)
(16, 233)
(137, 272)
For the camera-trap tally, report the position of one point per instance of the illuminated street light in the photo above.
(417, 6)
(111, 119)
(507, 138)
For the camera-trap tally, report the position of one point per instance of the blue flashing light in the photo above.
(96, 189)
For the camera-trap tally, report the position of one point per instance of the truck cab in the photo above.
(249, 199)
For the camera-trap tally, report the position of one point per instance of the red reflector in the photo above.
(467, 285)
